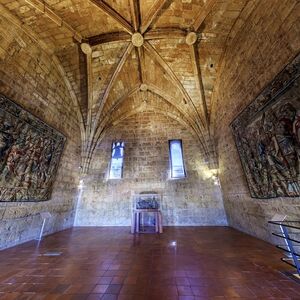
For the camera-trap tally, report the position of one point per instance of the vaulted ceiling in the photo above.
(126, 56)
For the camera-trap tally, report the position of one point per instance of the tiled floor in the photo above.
(185, 263)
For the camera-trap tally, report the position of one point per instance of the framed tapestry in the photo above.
(267, 136)
(30, 152)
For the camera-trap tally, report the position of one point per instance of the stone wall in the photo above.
(195, 200)
(266, 39)
(31, 77)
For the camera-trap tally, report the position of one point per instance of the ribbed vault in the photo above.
(128, 56)
(132, 104)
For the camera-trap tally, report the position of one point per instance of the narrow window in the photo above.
(116, 165)
(176, 159)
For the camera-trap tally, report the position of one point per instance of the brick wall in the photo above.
(30, 77)
(264, 43)
(195, 200)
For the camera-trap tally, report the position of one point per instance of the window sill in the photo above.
(177, 178)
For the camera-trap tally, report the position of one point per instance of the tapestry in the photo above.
(30, 152)
(267, 136)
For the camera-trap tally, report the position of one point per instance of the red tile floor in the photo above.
(186, 263)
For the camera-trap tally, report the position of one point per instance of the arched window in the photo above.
(176, 159)
(116, 164)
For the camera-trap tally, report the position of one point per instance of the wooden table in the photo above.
(137, 213)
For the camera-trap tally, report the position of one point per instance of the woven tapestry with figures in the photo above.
(267, 135)
(30, 152)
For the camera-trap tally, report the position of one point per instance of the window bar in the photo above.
(286, 250)
(287, 262)
(291, 248)
(283, 237)
(286, 225)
